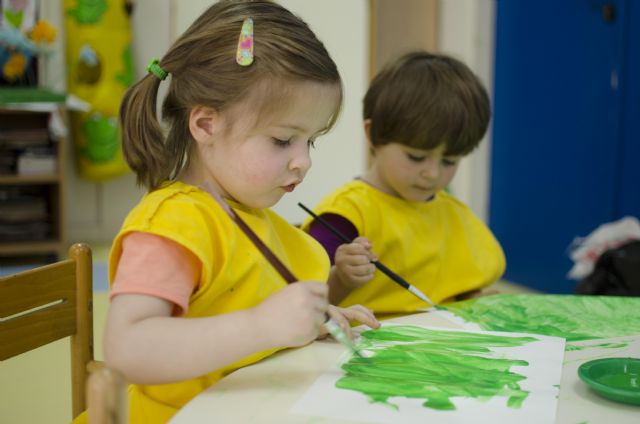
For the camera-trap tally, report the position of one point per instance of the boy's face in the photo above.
(256, 165)
(411, 174)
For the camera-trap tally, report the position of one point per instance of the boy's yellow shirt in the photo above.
(234, 275)
(439, 246)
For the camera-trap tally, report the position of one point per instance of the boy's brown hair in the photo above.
(424, 100)
(204, 72)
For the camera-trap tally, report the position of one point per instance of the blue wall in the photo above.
(565, 131)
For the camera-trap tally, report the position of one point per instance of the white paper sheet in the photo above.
(459, 321)
(543, 374)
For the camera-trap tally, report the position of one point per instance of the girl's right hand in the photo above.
(294, 315)
(353, 263)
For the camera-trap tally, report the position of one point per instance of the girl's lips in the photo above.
(289, 188)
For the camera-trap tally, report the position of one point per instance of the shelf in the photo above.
(29, 179)
(13, 95)
(42, 192)
(30, 247)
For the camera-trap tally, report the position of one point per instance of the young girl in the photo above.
(422, 114)
(192, 299)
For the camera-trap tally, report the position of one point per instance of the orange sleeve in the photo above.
(156, 266)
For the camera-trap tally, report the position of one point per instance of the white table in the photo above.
(264, 392)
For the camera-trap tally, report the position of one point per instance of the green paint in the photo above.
(434, 365)
(572, 317)
(620, 381)
(570, 347)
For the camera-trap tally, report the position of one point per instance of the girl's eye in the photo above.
(281, 143)
(312, 142)
(415, 158)
(449, 162)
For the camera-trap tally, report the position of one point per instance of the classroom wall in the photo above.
(340, 155)
(96, 210)
(466, 31)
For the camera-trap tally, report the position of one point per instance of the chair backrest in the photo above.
(107, 397)
(49, 303)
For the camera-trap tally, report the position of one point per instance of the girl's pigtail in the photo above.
(143, 141)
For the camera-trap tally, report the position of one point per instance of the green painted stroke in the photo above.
(572, 317)
(434, 365)
(572, 347)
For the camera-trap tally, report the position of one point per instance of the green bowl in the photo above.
(614, 378)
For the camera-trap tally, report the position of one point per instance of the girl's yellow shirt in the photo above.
(234, 274)
(439, 246)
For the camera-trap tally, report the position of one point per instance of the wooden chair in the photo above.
(107, 397)
(49, 303)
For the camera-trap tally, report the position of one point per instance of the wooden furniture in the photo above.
(45, 304)
(31, 177)
(398, 27)
(107, 397)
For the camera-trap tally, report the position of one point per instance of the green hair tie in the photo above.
(156, 70)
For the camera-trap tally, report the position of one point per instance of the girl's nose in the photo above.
(301, 160)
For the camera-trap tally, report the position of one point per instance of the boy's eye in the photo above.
(449, 162)
(415, 158)
(311, 142)
(281, 143)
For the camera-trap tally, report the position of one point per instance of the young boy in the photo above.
(422, 114)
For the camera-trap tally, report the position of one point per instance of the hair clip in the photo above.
(244, 54)
(155, 69)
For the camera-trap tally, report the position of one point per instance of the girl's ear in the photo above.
(204, 123)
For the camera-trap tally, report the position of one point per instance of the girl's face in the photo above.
(256, 164)
(411, 174)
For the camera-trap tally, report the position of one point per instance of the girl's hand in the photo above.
(359, 313)
(293, 316)
(353, 263)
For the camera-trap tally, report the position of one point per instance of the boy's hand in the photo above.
(473, 294)
(294, 315)
(359, 313)
(353, 263)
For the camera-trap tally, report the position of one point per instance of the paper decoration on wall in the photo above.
(23, 39)
(420, 374)
(100, 69)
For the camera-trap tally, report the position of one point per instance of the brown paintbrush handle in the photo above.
(333, 328)
(266, 252)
